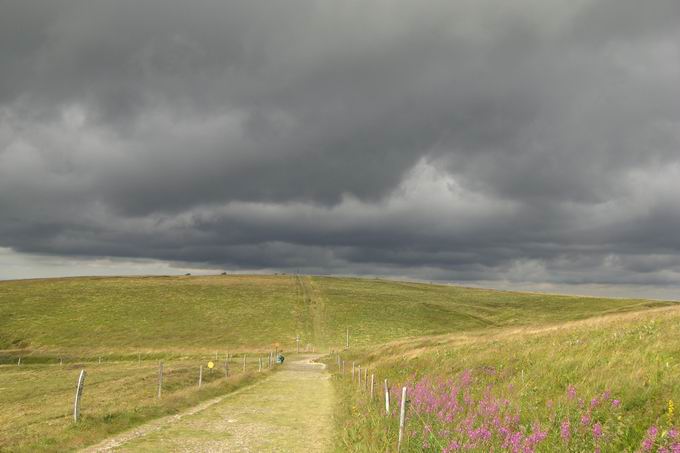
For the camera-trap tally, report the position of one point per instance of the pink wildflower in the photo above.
(565, 430)
(466, 378)
(597, 430)
(453, 446)
(571, 392)
(536, 437)
(648, 441)
(515, 441)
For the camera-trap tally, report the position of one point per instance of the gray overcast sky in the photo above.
(531, 143)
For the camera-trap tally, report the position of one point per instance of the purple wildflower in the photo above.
(648, 441)
(565, 430)
(597, 430)
(453, 446)
(571, 392)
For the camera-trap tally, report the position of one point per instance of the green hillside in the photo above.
(618, 376)
(131, 323)
(106, 315)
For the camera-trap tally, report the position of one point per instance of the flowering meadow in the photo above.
(604, 386)
(450, 415)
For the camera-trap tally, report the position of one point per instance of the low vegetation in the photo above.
(93, 316)
(405, 331)
(36, 400)
(608, 384)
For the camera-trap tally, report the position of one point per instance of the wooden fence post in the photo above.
(372, 386)
(343, 367)
(365, 378)
(100, 360)
(352, 371)
(226, 367)
(244, 363)
(160, 378)
(387, 398)
(200, 376)
(259, 369)
(402, 417)
(79, 395)
(19, 361)
(359, 379)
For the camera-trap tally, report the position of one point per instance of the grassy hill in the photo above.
(129, 315)
(618, 372)
(396, 327)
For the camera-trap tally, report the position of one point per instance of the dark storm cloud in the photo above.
(471, 140)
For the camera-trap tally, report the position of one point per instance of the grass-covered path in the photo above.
(288, 412)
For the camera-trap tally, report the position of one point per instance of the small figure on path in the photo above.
(280, 358)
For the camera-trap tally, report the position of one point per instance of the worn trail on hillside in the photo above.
(288, 412)
(315, 307)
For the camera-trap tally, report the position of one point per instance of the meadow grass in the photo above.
(185, 320)
(36, 400)
(634, 358)
(377, 311)
(92, 316)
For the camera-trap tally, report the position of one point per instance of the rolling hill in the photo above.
(126, 315)
(118, 328)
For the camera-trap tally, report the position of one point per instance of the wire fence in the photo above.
(162, 374)
(483, 410)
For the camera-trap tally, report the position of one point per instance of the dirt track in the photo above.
(288, 412)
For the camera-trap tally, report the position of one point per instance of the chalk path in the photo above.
(291, 411)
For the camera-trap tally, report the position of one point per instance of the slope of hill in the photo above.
(186, 321)
(606, 384)
(126, 315)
